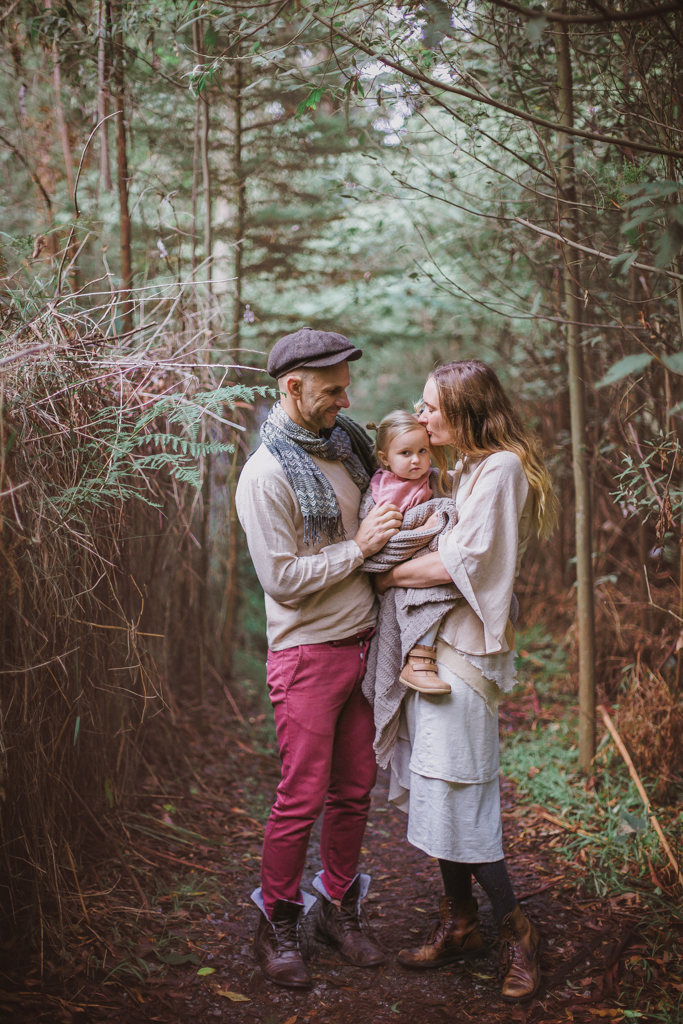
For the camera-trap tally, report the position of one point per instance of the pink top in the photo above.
(387, 488)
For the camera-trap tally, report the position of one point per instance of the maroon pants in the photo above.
(325, 730)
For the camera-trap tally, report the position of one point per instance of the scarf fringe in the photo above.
(317, 528)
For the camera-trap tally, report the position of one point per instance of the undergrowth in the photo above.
(607, 835)
(106, 448)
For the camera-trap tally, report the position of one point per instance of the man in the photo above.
(297, 501)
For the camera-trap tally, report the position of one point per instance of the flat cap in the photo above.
(309, 348)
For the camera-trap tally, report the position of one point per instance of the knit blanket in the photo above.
(293, 447)
(405, 614)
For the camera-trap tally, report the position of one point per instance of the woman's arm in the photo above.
(416, 572)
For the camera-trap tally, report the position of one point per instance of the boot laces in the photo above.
(511, 953)
(349, 918)
(287, 934)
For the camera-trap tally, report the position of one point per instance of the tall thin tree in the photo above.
(122, 170)
(232, 582)
(206, 176)
(59, 110)
(103, 95)
(585, 612)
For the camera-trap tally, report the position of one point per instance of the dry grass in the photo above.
(101, 575)
(650, 720)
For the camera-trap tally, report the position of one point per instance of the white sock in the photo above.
(429, 639)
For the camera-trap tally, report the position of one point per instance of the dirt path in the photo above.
(188, 956)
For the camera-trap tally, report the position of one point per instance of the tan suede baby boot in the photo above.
(420, 671)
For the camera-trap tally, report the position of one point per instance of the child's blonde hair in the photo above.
(392, 426)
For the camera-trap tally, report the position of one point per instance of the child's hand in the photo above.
(431, 524)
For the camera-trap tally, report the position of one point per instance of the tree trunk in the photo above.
(122, 173)
(577, 405)
(203, 627)
(232, 583)
(206, 180)
(59, 112)
(195, 153)
(103, 97)
(232, 577)
(241, 198)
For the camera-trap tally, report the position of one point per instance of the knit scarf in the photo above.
(293, 447)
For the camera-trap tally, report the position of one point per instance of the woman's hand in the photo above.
(383, 581)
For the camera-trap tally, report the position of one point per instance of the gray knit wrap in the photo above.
(293, 447)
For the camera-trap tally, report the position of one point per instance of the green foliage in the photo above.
(539, 654)
(644, 480)
(619, 841)
(652, 207)
(634, 364)
(114, 465)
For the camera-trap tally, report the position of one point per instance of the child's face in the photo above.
(408, 455)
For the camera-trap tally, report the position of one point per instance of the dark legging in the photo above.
(492, 877)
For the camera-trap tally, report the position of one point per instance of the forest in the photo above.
(183, 183)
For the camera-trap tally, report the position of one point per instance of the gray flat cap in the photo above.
(309, 348)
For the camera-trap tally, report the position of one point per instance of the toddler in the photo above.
(403, 449)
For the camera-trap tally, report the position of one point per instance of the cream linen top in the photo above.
(483, 552)
(313, 594)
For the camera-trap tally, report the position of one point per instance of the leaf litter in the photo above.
(612, 955)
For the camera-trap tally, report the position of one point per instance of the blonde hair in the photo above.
(392, 426)
(481, 419)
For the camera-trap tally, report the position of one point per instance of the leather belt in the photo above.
(357, 638)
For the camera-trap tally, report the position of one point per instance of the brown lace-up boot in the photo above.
(341, 926)
(276, 946)
(520, 957)
(420, 671)
(456, 936)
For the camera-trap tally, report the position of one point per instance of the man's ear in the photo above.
(294, 386)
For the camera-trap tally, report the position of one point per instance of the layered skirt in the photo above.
(445, 766)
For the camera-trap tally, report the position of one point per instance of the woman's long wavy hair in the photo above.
(482, 420)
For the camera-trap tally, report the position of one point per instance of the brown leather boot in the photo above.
(420, 671)
(341, 926)
(520, 957)
(455, 937)
(276, 946)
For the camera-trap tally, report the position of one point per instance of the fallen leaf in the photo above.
(614, 1014)
(203, 972)
(235, 996)
(292, 1020)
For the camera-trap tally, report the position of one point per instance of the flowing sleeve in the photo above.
(480, 552)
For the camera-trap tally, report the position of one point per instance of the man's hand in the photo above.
(379, 526)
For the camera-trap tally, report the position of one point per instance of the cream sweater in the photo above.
(313, 594)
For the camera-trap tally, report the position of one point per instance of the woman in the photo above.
(445, 766)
